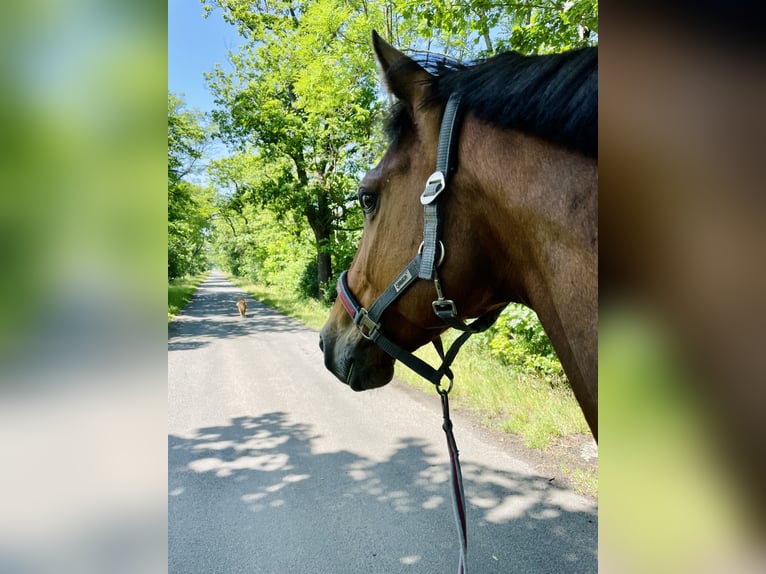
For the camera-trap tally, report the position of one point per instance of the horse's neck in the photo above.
(545, 200)
(565, 297)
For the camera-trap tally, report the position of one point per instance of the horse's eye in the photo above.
(368, 200)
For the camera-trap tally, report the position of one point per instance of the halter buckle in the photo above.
(434, 186)
(445, 308)
(367, 327)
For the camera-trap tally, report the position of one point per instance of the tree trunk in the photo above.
(488, 42)
(320, 219)
(319, 216)
(324, 266)
(322, 235)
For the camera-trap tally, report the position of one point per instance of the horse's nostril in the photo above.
(321, 344)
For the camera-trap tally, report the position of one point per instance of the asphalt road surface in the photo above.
(276, 467)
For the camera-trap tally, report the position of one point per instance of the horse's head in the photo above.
(389, 195)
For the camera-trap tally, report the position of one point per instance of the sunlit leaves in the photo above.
(469, 28)
(302, 95)
(186, 138)
(189, 205)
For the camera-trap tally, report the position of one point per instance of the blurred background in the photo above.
(681, 283)
(82, 288)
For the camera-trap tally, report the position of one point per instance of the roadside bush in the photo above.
(517, 339)
(308, 286)
(342, 251)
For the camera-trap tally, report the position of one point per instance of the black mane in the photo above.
(554, 96)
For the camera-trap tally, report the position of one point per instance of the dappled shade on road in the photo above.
(300, 508)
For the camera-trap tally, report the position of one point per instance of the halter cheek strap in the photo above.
(435, 185)
(423, 266)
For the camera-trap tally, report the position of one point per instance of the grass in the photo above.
(309, 311)
(503, 398)
(180, 291)
(583, 480)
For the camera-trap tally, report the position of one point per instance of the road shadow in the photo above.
(212, 315)
(255, 496)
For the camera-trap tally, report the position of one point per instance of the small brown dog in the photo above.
(242, 306)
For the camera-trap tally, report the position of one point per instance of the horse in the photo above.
(516, 214)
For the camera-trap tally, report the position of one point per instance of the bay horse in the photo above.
(516, 214)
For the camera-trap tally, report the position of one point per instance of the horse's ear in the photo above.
(404, 77)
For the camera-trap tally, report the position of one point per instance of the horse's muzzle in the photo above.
(354, 360)
(337, 363)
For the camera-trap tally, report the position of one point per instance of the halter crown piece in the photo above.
(424, 266)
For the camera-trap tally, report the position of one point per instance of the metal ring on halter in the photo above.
(442, 391)
(441, 254)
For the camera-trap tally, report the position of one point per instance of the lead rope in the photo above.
(456, 475)
(424, 266)
(456, 483)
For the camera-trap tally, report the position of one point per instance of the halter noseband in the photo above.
(422, 266)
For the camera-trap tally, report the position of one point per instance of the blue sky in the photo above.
(195, 45)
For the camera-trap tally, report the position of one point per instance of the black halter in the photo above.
(423, 266)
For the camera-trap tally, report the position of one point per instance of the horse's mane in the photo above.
(552, 96)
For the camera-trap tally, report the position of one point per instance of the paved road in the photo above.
(276, 467)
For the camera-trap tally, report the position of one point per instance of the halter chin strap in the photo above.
(368, 323)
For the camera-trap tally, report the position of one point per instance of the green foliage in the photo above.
(308, 286)
(517, 339)
(254, 243)
(180, 291)
(553, 26)
(186, 139)
(189, 205)
(507, 398)
(189, 210)
(301, 100)
(471, 28)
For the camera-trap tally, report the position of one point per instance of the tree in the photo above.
(305, 102)
(471, 28)
(186, 139)
(189, 205)
(304, 99)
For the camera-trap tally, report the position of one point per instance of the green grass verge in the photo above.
(308, 311)
(180, 291)
(504, 399)
(583, 481)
